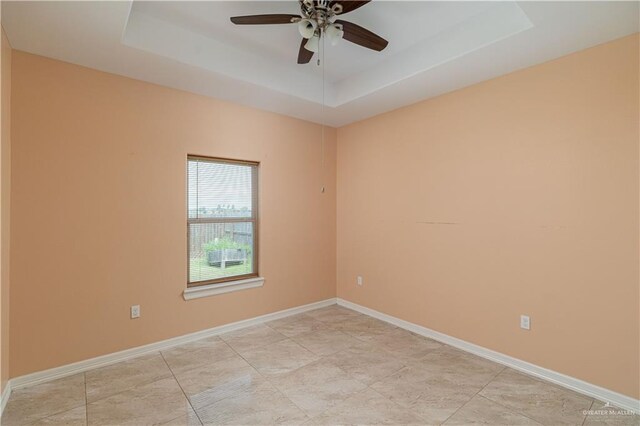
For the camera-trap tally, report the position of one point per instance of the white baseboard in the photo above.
(594, 391)
(103, 360)
(572, 383)
(6, 393)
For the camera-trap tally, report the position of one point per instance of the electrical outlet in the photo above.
(135, 311)
(359, 280)
(525, 322)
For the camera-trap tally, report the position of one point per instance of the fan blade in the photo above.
(349, 5)
(304, 55)
(264, 19)
(362, 36)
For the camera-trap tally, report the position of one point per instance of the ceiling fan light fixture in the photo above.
(313, 44)
(318, 18)
(307, 27)
(334, 33)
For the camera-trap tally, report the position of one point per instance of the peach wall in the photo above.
(99, 220)
(5, 204)
(515, 196)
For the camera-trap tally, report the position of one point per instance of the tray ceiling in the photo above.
(434, 47)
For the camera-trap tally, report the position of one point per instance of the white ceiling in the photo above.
(434, 47)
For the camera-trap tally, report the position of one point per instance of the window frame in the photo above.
(254, 220)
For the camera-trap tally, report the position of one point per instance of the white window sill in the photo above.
(213, 289)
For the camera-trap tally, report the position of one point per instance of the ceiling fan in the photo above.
(318, 18)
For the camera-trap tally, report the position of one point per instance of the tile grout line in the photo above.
(51, 414)
(222, 359)
(320, 358)
(143, 383)
(359, 339)
(404, 362)
(383, 350)
(127, 389)
(475, 394)
(86, 402)
(264, 376)
(293, 338)
(389, 375)
(511, 410)
(69, 409)
(590, 408)
(256, 347)
(252, 366)
(538, 380)
(183, 392)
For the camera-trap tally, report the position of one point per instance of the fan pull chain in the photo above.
(322, 47)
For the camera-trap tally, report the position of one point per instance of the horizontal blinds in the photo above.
(222, 216)
(220, 190)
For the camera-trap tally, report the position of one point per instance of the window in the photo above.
(222, 220)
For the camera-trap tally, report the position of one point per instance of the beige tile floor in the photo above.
(328, 366)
